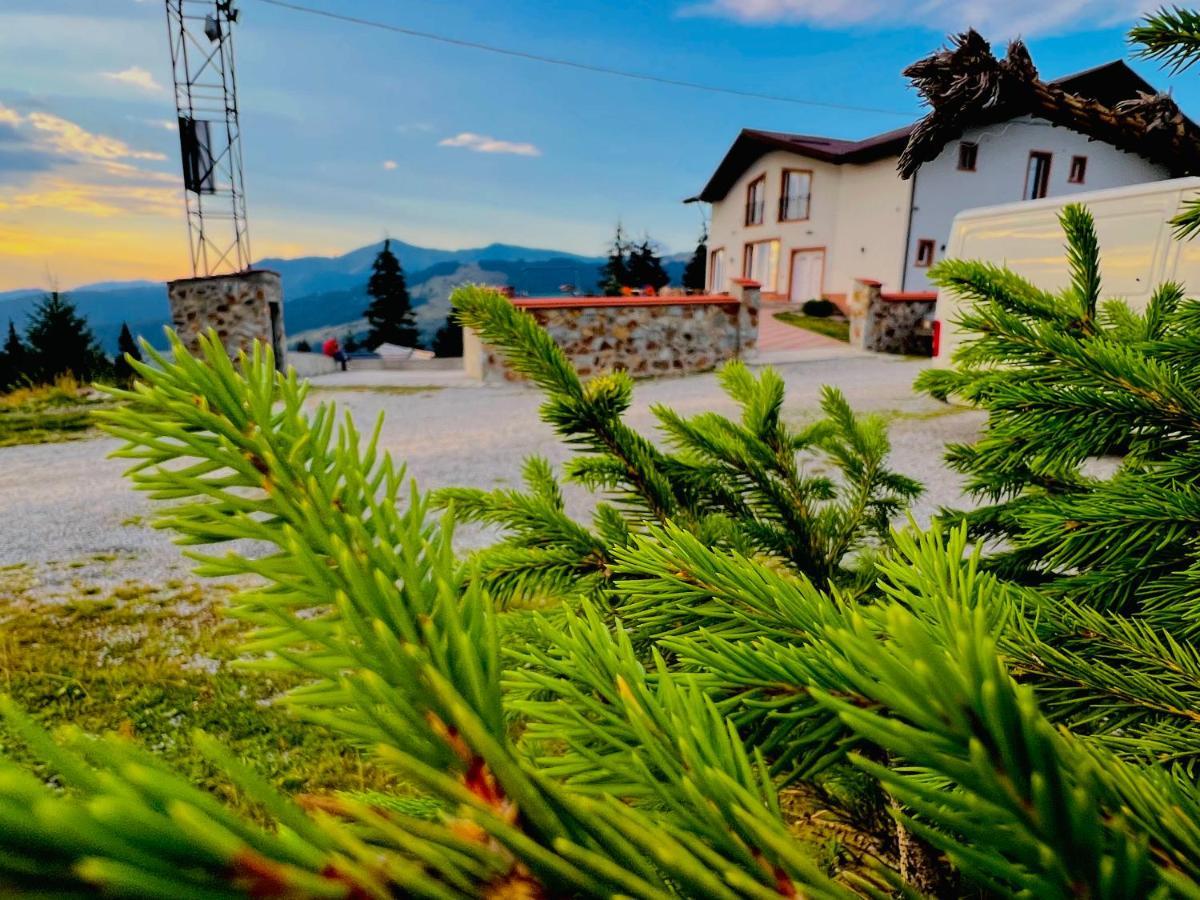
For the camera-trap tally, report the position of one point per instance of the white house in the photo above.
(806, 215)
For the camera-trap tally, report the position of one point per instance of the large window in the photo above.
(1037, 176)
(756, 200)
(716, 271)
(795, 195)
(760, 261)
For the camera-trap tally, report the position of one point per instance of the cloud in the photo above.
(389, 164)
(481, 143)
(1016, 18)
(54, 134)
(135, 76)
(101, 200)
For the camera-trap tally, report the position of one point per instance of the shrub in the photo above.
(820, 308)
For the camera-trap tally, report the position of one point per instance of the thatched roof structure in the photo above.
(965, 85)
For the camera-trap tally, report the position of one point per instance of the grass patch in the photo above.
(48, 413)
(153, 664)
(839, 329)
(397, 389)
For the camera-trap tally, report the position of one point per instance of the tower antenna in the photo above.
(200, 33)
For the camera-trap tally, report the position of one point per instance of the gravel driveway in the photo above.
(71, 519)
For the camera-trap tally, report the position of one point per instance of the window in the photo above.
(1078, 170)
(716, 271)
(756, 200)
(795, 195)
(761, 262)
(1037, 176)
(968, 155)
(925, 251)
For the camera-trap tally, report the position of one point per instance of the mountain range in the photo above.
(327, 294)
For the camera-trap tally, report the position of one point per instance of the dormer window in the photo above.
(968, 156)
(756, 201)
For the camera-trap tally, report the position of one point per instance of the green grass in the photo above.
(48, 414)
(153, 664)
(838, 329)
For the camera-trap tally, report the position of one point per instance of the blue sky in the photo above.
(351, 133)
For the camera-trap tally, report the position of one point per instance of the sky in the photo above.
(352, 134)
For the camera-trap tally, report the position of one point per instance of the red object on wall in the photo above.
(937, 337)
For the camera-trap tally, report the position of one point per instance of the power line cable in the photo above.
(573, 64)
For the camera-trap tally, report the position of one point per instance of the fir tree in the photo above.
(645, 269)
(61, 342)
(1067, 379)
(738, 484)
(695, 273)
(127, 349)
(389, 313)
(448, 342)
(303, 346)
(15, 368)
(614, 274)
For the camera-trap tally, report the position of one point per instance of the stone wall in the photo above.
(242, 308)
(641, 335)
(890, 322)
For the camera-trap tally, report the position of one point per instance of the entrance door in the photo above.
(808, 273)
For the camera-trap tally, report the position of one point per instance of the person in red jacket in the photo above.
(333, 350)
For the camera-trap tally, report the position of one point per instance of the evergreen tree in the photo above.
(350, 343)
(127, 349)
(614, 274)
(61, 342)
(448, 342)
(695, 273)
(645, 269)
(14, 367)
(389, 313)
(303, 346)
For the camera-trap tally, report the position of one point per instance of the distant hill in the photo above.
(325, 293)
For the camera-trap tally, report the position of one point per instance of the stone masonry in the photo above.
(242, 308)
(889, 322)
(644, 336)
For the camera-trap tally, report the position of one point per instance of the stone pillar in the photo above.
(749, 293)
(242, 308)
(866, 294)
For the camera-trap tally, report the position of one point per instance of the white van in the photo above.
(1138, 250)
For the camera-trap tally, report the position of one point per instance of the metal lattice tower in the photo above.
(201, 39)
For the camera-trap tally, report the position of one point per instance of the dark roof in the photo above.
(1108, 85)
(752, 144)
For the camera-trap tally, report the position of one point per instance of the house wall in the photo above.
(857, 214)
(941, 190)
